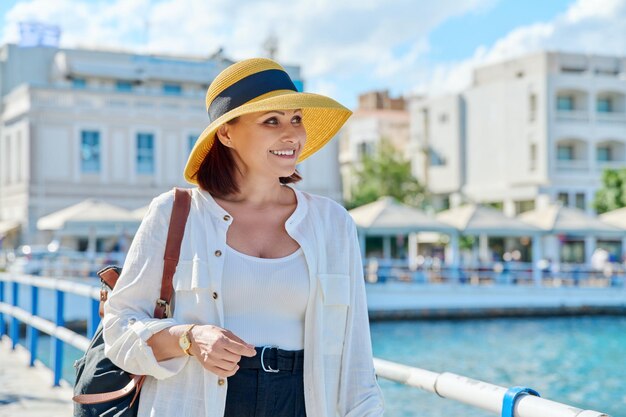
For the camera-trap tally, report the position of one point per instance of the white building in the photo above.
(528, 131)
(109, 125)
(377, 117)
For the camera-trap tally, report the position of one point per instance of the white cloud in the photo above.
(328, 38)
(344, 46)
(587, 26)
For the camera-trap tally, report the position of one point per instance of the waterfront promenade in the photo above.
(26, 391)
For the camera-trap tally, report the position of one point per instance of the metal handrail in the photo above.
(57, 330)
(447, 385)
(475, 393)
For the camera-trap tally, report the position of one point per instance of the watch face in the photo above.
(184, 342)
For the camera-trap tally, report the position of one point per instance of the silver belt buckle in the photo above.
(269, 368)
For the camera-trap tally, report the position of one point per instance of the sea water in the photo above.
(580, 361)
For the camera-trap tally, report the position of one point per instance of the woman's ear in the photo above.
(223, 135)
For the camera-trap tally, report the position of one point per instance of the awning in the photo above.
(568, 220)
(474, 219)
(89, 217)
(615, 218)
(7, 226)
(386, 216)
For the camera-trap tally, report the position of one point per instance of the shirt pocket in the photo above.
(336, 300)
(192, 285)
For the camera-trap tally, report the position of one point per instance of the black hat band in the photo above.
(247, 89)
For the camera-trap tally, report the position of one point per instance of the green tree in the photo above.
(612, 195)
(385, 173)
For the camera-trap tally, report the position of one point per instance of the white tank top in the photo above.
(265, 299)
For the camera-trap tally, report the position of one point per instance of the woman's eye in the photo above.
(297, 119)
(271, 121)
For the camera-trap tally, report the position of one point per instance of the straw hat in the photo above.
(260, 84)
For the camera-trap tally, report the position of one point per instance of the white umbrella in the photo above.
(568, 220)
(90, 218)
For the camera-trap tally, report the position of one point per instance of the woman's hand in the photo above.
(218, 349)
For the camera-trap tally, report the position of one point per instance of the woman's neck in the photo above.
(260, 192)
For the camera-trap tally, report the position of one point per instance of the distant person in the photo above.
(269, 313)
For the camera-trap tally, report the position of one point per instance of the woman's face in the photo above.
(266, 143)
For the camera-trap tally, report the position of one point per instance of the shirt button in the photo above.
(218, 253)
(215, 296)
(132, 320)
(220, 381)
(227, 217)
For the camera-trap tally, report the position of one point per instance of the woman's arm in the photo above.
(128, 322)
(218, 350)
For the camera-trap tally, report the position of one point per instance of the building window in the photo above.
(580, 201)
(79, 83)
(603, 154)
(172, 89)
(533, 156)
(563, 198)
(18, 157)
(565, 152)
(604, 105)
(565, 103)
(524, 205)
(532, 107)
(573, 70)
(436, 159)
(7, 160)
(145, 153)
(573, 251)
(124, 86)
(363, 149)
(90, 151)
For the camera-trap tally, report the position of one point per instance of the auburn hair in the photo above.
(217, 172)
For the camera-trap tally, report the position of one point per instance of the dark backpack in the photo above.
(101, 387)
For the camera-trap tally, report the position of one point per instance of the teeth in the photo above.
(283, 152)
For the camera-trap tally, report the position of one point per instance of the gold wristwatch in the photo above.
(184, 341)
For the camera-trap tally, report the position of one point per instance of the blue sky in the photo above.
(344, 47)
(459, 36)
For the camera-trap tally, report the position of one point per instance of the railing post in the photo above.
(33, 333)
(94, 318)
(57, 344)
(3, 326)
(15, 324)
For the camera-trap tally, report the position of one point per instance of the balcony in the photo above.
(610, 117)
(571, 105)
(602, 165)
(610, 154)
(572, 115)
(572, 166)
(610, 107)
(111, 101)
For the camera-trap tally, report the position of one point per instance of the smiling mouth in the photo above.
(290, 152)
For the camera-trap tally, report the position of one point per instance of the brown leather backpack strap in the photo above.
(135, 382)
(175, 233)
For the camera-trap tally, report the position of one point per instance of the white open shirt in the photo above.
(339, 378)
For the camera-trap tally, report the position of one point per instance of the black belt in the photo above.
(273, 359)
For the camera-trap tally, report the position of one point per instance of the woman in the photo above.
(269, 313)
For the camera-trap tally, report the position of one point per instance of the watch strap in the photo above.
(186, 336)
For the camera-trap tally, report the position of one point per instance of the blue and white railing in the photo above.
(498, 273)
(53, 326)
(512, 402)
